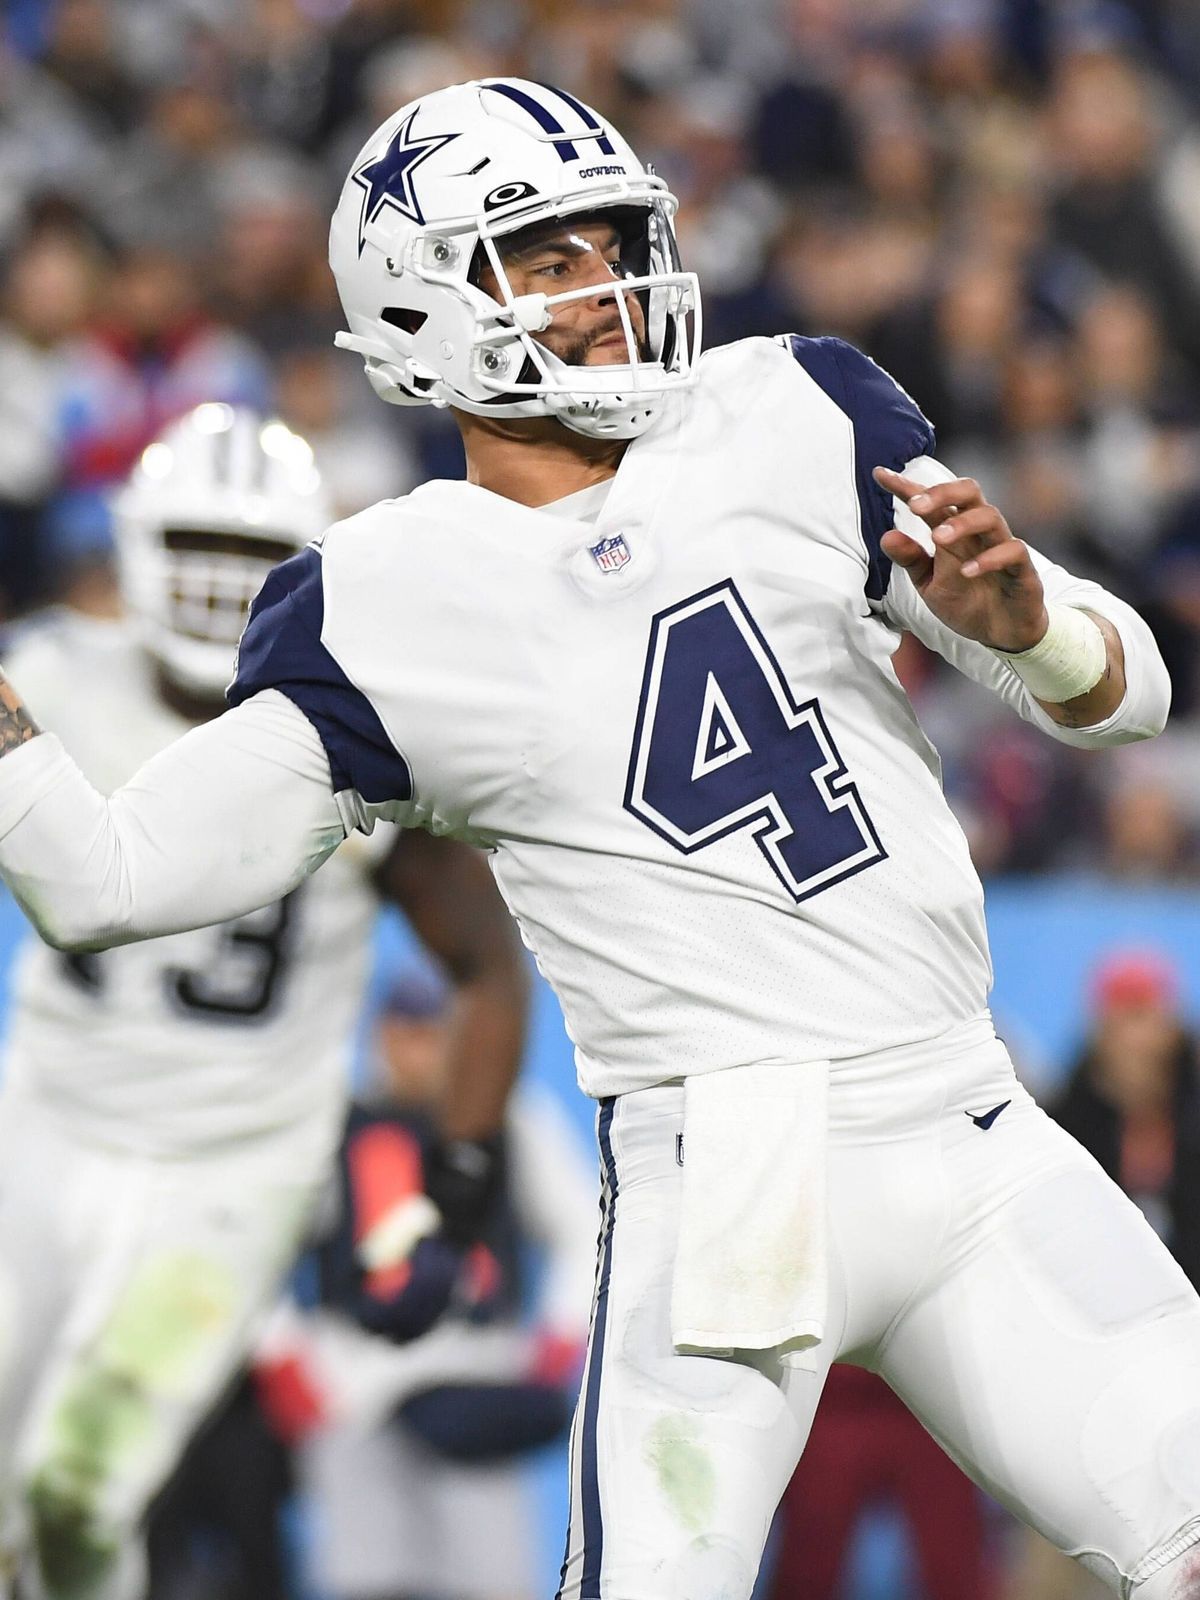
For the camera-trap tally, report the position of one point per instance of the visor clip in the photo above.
(530, 313)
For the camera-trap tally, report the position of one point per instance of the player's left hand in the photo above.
(979, 580)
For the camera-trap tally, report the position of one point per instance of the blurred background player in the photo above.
(414, 1457)
(1131, 1098)
(169, 1110)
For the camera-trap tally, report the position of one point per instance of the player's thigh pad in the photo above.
(174, 1259)
(677, 1462)
(1056, 1349)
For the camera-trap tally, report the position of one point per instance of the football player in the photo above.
(644, 654)
(170, 1109)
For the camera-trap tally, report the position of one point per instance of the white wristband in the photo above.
(1067, 661)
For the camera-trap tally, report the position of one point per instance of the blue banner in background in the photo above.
(1047, 937)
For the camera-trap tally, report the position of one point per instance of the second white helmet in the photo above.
(425, 203)
(213, 504)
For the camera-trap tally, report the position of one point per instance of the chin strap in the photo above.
(373, 349)
(381, 368)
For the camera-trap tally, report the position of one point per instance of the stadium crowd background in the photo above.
(997, 199)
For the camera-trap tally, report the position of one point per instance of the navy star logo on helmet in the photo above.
(387, 181)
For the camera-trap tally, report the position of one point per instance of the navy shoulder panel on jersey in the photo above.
(281, 649)
(889, 429)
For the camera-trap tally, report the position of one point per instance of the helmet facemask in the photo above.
(210, 577)
(652, 297)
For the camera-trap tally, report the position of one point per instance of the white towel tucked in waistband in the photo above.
(751, 1270)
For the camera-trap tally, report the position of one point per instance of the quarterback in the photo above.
(643, 654)
(170, 1109)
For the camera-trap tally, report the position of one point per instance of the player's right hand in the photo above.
(979, 580)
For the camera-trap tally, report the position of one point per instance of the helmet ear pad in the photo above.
(425, 352)
(383, 376)
(404, 318)
(527, 372)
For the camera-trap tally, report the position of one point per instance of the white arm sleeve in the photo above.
(1143, 711)
(228, 818)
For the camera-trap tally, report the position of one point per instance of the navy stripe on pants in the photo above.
(593, 1524)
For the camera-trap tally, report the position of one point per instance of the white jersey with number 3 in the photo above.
(713, 810)
(201, 1038)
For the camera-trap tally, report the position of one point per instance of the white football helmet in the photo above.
(431, 193)
(210, 508)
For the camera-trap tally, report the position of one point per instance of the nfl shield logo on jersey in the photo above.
(610, 555)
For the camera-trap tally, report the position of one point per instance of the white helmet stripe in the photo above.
(591, 122)
(563, 141)
(221, 472)
(241, 454)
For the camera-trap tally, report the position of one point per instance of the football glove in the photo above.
(464, 1178)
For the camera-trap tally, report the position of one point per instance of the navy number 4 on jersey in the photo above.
(721, 744)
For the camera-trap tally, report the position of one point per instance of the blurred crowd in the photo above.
(995, 198)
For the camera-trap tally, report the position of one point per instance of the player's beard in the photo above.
(574, 352)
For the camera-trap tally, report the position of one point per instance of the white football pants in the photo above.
(129, 1292)
(993, 1275)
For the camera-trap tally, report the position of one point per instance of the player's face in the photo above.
(575, 255)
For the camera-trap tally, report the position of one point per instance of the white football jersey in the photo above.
(205, 1037)
(713, 811)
